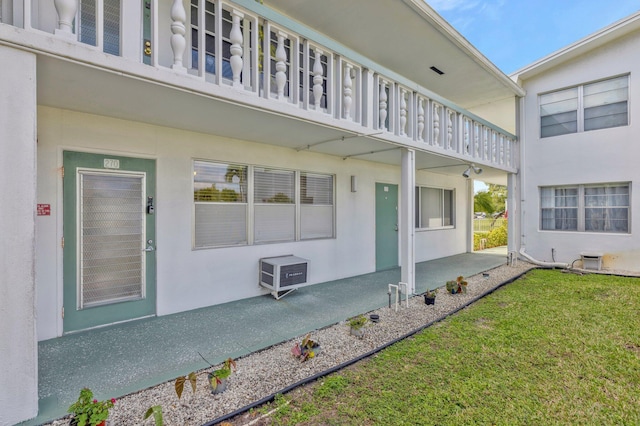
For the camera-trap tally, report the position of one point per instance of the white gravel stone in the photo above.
(263, 373)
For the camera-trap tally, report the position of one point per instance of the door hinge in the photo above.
(62, 242)
(63, 312)
(62, 172)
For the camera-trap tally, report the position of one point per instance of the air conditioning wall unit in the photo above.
(283, 274)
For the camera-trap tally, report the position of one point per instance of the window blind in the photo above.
(220, 196)
(316, 210)
(274, 205)
(559, 113)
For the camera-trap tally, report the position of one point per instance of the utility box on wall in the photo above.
(591, 261)
(283, 274)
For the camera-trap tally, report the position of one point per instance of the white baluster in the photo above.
(236, 39)
(317, 78)
(178, 42)
(347, 91)
(467, 147)
(403, 113)
(436, 124)
(66, 10)
(420, 119)
(281, 65)
(383, 105)
(449, 128)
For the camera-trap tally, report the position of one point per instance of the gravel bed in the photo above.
(262, 373)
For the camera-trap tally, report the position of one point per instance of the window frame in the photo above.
(580, 108)
(418, 208)
(251, 204)
(582, 206)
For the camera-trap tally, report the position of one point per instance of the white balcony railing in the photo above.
(224, 44)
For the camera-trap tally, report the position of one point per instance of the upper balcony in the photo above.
(202, 55)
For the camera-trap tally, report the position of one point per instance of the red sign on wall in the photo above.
(44, 210)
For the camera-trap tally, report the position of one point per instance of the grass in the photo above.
(550, 348)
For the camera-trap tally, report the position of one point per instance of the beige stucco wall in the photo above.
(188, 278)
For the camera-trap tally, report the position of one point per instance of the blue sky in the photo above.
(515, 33)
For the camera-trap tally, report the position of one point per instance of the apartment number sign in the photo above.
(111, 163)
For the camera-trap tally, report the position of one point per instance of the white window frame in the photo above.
(252, 204)
(582, 206)
(580, 108)
(418, 208)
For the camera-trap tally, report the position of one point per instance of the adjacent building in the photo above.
(579, 150)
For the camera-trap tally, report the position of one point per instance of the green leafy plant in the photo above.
(156, 412)
(358, 322)
(431, 294)
(219, 375)
(88, 411)
(306, 349)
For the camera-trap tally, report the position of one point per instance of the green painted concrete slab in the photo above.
(125, 358)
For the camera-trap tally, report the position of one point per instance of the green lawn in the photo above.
(550, 348)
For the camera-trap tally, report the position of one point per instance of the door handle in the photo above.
(150, 246)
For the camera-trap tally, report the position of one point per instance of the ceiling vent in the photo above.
(436, 70)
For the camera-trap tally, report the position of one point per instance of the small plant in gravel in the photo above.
(88, 411)
(215, 378)
(306, 349)
(358, 322)
(459, 285)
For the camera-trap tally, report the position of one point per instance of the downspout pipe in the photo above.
(541, 263)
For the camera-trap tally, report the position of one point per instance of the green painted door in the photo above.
(386, 226)
(109, 233)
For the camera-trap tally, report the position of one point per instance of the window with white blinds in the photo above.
(285, 205)
(220, 197)
(316, 206)
(586, 208)
(593, 106)
(274, 205)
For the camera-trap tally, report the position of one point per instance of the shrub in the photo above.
(497, 236)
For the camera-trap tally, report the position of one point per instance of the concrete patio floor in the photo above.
(125, 358)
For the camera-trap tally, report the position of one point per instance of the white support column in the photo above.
(18, 339)
(178, 42)
(236, 39)
(420, 135)
(407, 221)
(403, 112)
(66, 10)
(317, 78)
(513, 224)
(281, 66)
(382, 114)
(347, 91)
(468, 213)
